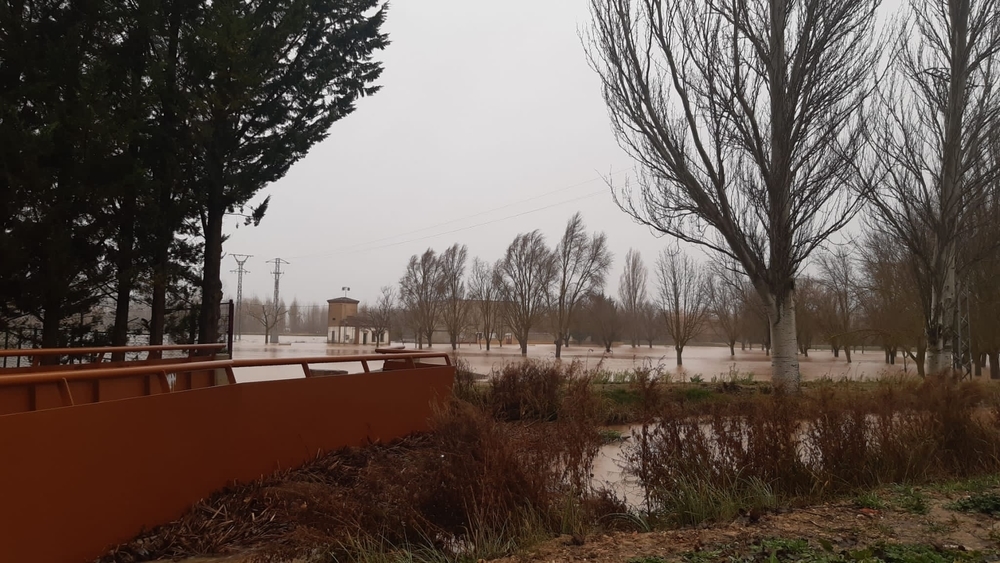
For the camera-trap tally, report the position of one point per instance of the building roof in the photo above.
(343, 300)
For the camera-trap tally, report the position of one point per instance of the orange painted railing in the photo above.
(97, 474)
(36, 390)
(36, 354)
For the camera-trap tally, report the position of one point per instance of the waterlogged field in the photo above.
(704, 362)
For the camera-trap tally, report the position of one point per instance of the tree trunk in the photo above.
(847, 354)
(994, 364)
(836, 350)
(921, 358)
(211, 285)
(732, 348)
(784, 361)
(680, 352)
(158, 304)
(523, 341)
(559, 345)
(125, 279)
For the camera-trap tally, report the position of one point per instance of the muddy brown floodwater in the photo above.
(704, 361)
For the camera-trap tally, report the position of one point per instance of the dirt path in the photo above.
(844, 528)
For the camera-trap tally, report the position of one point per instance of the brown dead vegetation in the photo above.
(509, 464)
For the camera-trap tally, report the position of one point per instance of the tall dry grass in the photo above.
(702, 462)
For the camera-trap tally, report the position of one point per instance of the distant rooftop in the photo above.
(343, 300)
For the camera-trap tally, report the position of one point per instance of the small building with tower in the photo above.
(344, 326)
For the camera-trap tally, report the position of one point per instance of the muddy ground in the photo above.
(833, 531)
(921, 524)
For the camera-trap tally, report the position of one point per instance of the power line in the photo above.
(277, 280)
(241, 259)
(352, 248)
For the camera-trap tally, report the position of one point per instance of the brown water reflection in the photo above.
(706, 361)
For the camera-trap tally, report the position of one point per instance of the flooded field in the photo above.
(704, 361)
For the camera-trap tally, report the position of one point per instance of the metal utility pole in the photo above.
(241, 259)
(277, 278)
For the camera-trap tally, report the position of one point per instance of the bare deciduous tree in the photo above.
(270, 315)
(683, 298)
(651, 322)
(726, 289)
(420, 291)
(379, 317)
(890, 301)
(527, 271)
(485, 292)
(807, 312)
(581, 264)
(742, 115)
(632, 294)
(455, 309)
(605, 319)
(935, 124)
(838, 276)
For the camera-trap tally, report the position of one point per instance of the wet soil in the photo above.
(840, 526)
(843, 526)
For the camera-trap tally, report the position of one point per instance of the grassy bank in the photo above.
(509, 462)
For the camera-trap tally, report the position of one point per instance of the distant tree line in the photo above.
(261, 316)
(131, 129)
(851, 296)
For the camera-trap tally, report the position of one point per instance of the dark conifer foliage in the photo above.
(129, 129)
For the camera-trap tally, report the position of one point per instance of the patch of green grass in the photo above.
(976, 484)
(982, 503)
(610, 436)
(696, 378)
(648, 559)
(911, 500)
(697, 393)
(897, 553)
(620, 394)
(693, 501)
(708, 556)
(870, 499)
(786, 549)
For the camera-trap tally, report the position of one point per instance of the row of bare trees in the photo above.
(531, 286)
(854, 295)
(263, 316)
(763, 127)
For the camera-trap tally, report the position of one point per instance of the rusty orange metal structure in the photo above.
(97, 354)
(36, 387)
(79, 476)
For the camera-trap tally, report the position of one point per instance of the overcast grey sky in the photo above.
(489, 123)
(488, 110)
